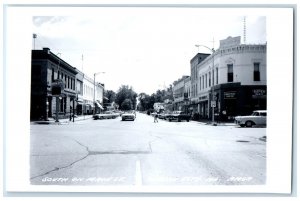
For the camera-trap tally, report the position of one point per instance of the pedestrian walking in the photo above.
(155, 118)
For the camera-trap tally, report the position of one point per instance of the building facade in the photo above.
(46, 69)
(179, 93)
(232, 80)
(194, 84)
(77, 91)
(88, 96)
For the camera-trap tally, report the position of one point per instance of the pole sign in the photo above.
(213, 103)
(57, 87)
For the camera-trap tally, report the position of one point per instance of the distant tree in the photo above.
(146, 101)
(126, 92)
(127, 104)
(109, 96)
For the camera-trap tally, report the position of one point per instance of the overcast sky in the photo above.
(146, 48)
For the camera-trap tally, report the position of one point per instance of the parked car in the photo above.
(128, 115)
(258, 117)
(178, 116)
(106, 115)
(161, 115)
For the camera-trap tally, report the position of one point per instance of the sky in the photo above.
(146, 48)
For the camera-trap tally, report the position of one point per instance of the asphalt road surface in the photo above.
(141, 152)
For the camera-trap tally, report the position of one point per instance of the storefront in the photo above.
(203, 107)
(233, 99)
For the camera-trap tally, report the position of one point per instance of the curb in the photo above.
(61, 121)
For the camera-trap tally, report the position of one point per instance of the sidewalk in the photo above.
(63, 121)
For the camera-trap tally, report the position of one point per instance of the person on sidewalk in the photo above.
(155, 118)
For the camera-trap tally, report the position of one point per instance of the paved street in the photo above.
(140, 152)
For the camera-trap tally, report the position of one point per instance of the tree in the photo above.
(110, 96)
(126, 92)
(127, 104)
(146, 101)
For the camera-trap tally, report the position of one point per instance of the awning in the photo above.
(80, 102)
(99, 104)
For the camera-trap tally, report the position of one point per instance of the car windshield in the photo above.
(129, 112)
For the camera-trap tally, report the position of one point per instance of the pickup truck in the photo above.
(258, 117)
(178, 116)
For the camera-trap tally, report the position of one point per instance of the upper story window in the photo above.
(209, 79)
(52, 75)
(200, 83)
(229, 72)
(256, 72)
(217, 76)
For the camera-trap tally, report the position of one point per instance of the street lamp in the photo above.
(212, 103)
(34, 37)
(94, 111)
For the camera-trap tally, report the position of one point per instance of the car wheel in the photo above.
(187, 120)
(242, 125)
(248, 124)
(169, 120)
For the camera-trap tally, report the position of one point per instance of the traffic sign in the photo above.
(213, 103)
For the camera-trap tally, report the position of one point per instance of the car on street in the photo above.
(178, 116)
(106, 115)
(128, 115)
(163, 115)
(258, 117)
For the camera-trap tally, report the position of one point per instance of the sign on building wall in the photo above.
(229, 94)
(258, 93)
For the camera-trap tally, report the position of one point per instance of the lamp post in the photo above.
(94, 111)
(212, 103)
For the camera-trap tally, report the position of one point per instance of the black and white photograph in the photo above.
(149, 99)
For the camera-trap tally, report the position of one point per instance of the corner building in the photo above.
(236, 82)
(46, 67)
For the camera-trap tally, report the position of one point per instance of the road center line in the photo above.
(138, 173)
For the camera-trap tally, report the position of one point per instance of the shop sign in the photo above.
(57, 87)
(203, 98)
(230, 95)
(258, 93)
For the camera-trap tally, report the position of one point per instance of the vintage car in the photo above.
(178, 116)
(128, 115)
(258, 117)
(106, 115)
